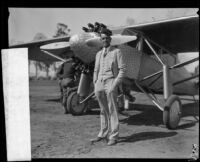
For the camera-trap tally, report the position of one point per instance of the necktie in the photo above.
(105, 52)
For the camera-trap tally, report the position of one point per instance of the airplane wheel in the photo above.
(172, 112)
(66, 109)
(73, 105)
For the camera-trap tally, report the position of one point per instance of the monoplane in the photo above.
(162, 57)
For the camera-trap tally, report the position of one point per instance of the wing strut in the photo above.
(152, 98)
(53, 55)
(154, 51)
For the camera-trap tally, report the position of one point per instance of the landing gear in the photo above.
(172, 112)
(65, 97)
(73, 104)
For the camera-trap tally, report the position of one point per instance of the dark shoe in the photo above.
(97, 139)
(112, 142)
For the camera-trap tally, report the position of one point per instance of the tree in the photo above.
(130, 21)
(62, 30)
(39, 36)
(47, 66)
(15, 42)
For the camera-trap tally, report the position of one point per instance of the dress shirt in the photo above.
(106, 59)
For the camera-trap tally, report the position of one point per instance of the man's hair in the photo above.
(106, 32)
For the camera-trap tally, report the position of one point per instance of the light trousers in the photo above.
(108, 109)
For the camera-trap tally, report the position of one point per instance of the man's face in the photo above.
(105, 40)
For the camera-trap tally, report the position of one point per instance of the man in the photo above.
(66, 75)
(108, 74)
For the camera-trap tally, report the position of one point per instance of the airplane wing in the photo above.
(176, 35)
(38, 50)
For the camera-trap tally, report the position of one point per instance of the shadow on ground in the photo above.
(187, 125)
(146, 114)
(145, 136)
(190, 109)
(151, 115)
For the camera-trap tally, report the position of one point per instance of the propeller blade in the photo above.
(121, 39)
(94, 42)
(116, 40)
(57, 45)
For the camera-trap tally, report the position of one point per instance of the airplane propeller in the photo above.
(116, 40)
(57, 45)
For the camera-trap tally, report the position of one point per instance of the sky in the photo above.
(24, 23)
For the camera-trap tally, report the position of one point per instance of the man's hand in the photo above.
(94, 82)
(113, 87)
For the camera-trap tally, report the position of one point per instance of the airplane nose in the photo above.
(81, 49)
(80, 38)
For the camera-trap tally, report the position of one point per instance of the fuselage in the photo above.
(140, 65)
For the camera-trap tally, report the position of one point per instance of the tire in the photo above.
(172, 112)
(73, 105)
(68, 98)
(66, 109)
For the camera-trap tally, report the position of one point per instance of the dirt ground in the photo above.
(142, 133)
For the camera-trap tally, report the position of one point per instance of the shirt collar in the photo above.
(106, 49)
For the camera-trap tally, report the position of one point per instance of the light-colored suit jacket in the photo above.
(118, 65)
